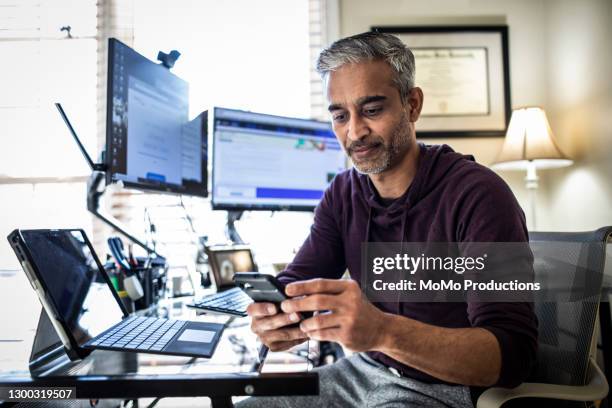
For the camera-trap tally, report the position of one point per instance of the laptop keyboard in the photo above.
(139, 333)
(233, 301)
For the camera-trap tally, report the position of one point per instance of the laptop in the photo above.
(224, 262)
(85, 309)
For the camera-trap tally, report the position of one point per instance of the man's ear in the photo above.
(414, 101)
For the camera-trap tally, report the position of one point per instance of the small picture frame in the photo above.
(464, 74)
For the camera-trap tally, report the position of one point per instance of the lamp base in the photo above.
(531, 182)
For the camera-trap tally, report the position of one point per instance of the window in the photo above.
(42, 174)
(243, 54)
(239, 54)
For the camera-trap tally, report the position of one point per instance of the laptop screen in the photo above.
(226, 262)
(78, 290)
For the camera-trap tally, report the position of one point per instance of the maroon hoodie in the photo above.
(451, 199)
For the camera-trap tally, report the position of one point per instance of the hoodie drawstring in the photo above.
(397, 305)
(367, 234)
(403, 237)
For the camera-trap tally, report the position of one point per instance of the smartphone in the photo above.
(260, 287)
(263, 288)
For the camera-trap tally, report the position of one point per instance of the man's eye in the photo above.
(372, 111)
(339, 117)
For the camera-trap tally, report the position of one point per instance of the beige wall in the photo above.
(580, 111)
(539, 32)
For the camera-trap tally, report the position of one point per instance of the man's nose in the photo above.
(357, 128)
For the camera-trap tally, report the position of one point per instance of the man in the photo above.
(408, 354)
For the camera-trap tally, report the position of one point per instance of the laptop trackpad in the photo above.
(197, 339)
(198, 336)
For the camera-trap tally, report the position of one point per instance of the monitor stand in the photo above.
(230, 229)
(48, 352)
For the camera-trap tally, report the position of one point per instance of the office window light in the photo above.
(42, 175)
(240, 54)
(250, 55)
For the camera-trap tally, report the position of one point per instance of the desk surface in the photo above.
(231, 371)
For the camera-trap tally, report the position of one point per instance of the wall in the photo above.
(580, 111)
(558, 60)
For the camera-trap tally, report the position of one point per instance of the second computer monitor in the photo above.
(265, 162)
(150, 142)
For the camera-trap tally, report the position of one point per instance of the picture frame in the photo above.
(464, 74)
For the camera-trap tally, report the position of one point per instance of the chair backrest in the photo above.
(566, 327)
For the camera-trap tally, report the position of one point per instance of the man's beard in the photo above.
(388, 155)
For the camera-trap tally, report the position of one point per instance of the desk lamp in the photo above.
(530, 145)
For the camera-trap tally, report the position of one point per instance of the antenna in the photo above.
(92, 165)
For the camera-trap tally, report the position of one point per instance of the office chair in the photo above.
(565, 373)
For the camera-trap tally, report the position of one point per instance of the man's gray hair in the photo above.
(371, 46)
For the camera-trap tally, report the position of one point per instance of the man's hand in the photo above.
(350, 319)
(268, 324)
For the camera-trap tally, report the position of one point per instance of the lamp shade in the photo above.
(530, 142)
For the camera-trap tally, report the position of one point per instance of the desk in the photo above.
(116, 375)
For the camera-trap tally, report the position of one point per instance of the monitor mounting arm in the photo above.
(230, 229)
(95, 192)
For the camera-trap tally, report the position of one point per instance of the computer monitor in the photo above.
(265, 162)
(150, 142)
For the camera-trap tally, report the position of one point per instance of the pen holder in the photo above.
(153, 280)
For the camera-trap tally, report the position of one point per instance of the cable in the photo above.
(305, 354)
(239, 348)
(187, 216)
(154, 402)
(152, 229)
(309, 361)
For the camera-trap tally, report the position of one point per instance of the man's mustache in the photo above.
(363, 144)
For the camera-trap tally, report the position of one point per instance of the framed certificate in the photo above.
(463, 72)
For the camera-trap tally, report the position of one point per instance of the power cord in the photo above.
(187, 215)
(239, 348)
(305, 354)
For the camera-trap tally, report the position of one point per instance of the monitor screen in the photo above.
(150, 142)
(265, 162)
(80, 293)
